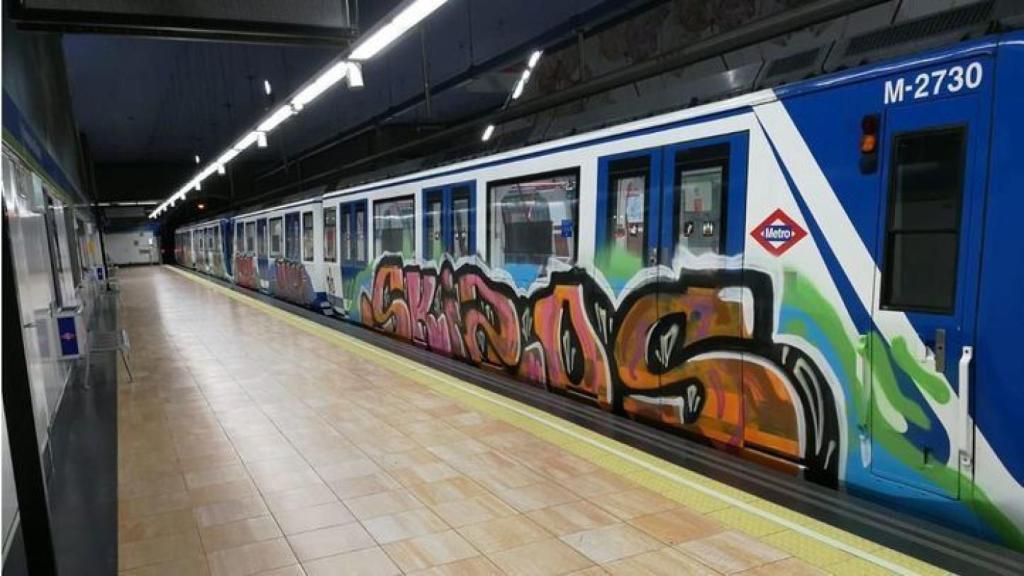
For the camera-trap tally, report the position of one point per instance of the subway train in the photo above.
(822, 277)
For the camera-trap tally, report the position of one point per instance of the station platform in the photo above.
(256, 441)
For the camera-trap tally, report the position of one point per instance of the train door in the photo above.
(663, 246)
(352, 236)
(930, 225)
(449, 221)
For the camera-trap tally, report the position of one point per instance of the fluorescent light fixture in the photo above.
(378, 39)
(521, 84)
(198, 184)
(197, 158)
(227, 157)
(355, 75)
(275, 119)
(488, 132)
(246, 141)
(261, 139)
(534, 58)
(266, 87)
(220, 169)
(329, 78)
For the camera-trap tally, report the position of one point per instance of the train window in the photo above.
(923, 223)
(250, 237)
(433, 245)
(533, 220)
(331, 234)
(307, 236)
(359, 246)
(702, 176)
(346, 232)
(239, 237)
(276, 236)
(394, 226)
(261, 238)
(462, 221)
(625, 242)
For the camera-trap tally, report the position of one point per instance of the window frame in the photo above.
(350, 210)
(488, 200)
(681, 164)
(889, 235)
(296, 216)
(447, 196)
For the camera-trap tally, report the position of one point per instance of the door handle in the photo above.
(940, 350)
(966, 440)
(652, 260)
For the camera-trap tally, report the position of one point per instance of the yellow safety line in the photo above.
(642, 469)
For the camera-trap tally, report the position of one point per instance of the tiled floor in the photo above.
(248, 446)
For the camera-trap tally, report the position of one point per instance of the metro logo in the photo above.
(778, 233)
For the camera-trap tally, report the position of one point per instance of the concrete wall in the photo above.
(127, 248)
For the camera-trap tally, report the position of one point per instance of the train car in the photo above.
(819, 277)
(206, 247)
(281, 253)
(814, 277)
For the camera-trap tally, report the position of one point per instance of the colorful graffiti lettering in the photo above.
(677, 351)
(291, 281)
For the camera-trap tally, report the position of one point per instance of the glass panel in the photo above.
(462, 214)
(291, 236)
(625, 242)
(276, 236)
(346, 233)
(926, 190)
(307, 236)
(330, 234)
(239, 237)
(394, 226)
(250, 237)
(532, 221)
(434, 247)
(359, 247)
(701, 177)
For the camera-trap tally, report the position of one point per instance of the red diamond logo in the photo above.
(778, 233)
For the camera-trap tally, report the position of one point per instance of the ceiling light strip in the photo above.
(372, 43)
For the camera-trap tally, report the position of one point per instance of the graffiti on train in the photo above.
(678, 350)
(285, 279)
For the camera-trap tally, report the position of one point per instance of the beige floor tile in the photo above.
(366, 562)
(611, 543)
(252, 558)
(663, 562)
(536, 496)
(363, 485)
(429, 550)
(572, 517)
(303, 497)
(236, 490)
(208, 476)
(313, 517)
(503, 533)
(731, 551)
(420, 473)
(452, 489)
(477, 566)
(597, 483)
(229, 511)
(460, 513)
(330, 541)
(196, 566)
(134, 508)
(159, 550)
(547, 557)
(268, 483)
(403, 525)
(234, 534)
(156, 526)
(629, 504)
(678, 525)
(366, 507)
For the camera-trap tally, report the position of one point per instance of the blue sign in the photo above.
(566, 228)
(68, 335)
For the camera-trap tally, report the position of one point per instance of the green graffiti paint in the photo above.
(929, 382)
(618, 263)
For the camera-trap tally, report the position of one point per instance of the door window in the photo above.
(307, 236)
(276, 236)
(923, 222)
(433, 245)
(625, 230)
(331, 234)
(700, 195)
(462, 221)
(292, 236)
